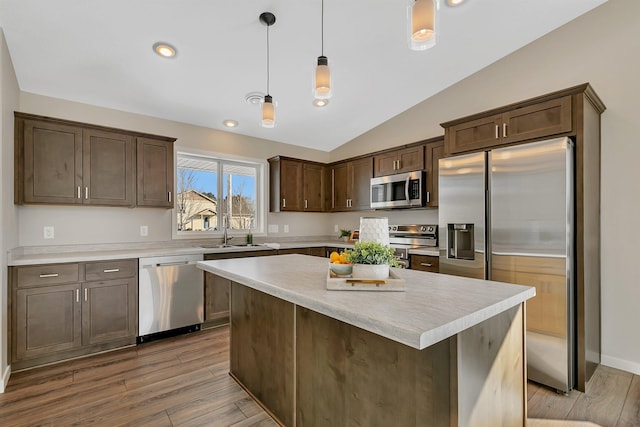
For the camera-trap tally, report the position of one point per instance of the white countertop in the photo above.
(433, 307)
(83, 253)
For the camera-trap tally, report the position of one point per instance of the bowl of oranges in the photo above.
(339, 264)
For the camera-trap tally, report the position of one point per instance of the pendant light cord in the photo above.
(322, 29)
(268, 59)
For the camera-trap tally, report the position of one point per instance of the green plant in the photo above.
(345, 233)
(372, 253)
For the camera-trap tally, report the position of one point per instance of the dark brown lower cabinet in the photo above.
(48, 320)
(216, 289)
(425, 263)
(109, 310)
(216, 300)
(52, 321)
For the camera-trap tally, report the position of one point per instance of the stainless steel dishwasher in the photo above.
(170, 295)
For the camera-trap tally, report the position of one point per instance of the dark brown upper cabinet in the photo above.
(155, 173)
(107, 168)
(64, 162)
(433, 152)
(296, 185)
(528, 122)
(398, 161)
(350, 185)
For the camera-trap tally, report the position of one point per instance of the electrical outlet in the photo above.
(144, 230)
(48, 232)
(336, 228)
(273, 228)
(286, 228)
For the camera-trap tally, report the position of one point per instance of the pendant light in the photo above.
(322, 86)
(268, 109)
(423, 24)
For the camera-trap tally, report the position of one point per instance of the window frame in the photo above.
(222, 159)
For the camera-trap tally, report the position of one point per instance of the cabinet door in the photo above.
(216, 298)
(107, 168)
(474, 135)
(385, 164)
(155, 173)
(433, 153)
(321, 251)
(48, 320)
(360, 187)
(290, 185)
(109, 310)
(411, 159)
(313, 188)
(537, 121)
(339, 187)
(52, 163)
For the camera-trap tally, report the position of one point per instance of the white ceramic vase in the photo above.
(370, 271)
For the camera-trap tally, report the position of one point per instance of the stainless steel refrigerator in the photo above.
(508, 215)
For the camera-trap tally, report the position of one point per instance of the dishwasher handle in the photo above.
(168, 264)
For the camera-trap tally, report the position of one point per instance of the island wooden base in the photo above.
(308, 369)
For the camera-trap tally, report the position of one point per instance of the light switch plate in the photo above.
(48, 232)
(273, 228)
(286, 228)
(144, 230)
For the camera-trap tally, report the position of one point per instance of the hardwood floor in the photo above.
(184, 381)
(181, 381)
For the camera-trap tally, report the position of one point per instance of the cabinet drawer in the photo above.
(105, 270)
(47, 274)
(425, 263)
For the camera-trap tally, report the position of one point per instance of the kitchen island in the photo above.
(447, 351)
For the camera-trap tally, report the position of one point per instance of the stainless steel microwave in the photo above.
(404, 190)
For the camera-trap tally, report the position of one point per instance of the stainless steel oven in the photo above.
(403, 190)
(403, 238)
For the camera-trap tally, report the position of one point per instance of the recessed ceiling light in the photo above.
(455, 2)
(164, 49)
(230, 123)
(320, 102)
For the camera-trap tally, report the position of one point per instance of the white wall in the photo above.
(78, 225)
(8, 218)
(600, 47)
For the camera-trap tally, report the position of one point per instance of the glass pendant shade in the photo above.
(422, 21)
(323, 79)
(268, 112)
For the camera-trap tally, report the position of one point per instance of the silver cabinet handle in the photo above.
(284, 202)
(399, 164)
(77, 295)
(306, 204)
(79, 192)
(169, 196)
(42, 276)
(428, 197)
(86, 192)
(504, 130)
(426, 264)
(86, 294)
(111, 270)
(497, 131)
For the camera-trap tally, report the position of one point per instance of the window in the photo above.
(214, 192)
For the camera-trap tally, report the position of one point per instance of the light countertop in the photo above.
(433, 307)
(104, 252)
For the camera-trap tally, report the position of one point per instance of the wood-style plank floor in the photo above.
(184, 381)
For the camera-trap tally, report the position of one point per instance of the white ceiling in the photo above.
(100, 53)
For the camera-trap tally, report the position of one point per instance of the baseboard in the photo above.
(622, 364)
(5, 379)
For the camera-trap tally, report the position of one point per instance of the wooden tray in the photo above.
(348, 283)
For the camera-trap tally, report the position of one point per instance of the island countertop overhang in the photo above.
(433, 307)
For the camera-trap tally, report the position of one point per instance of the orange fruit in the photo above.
(343, 258)
(334, 257)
